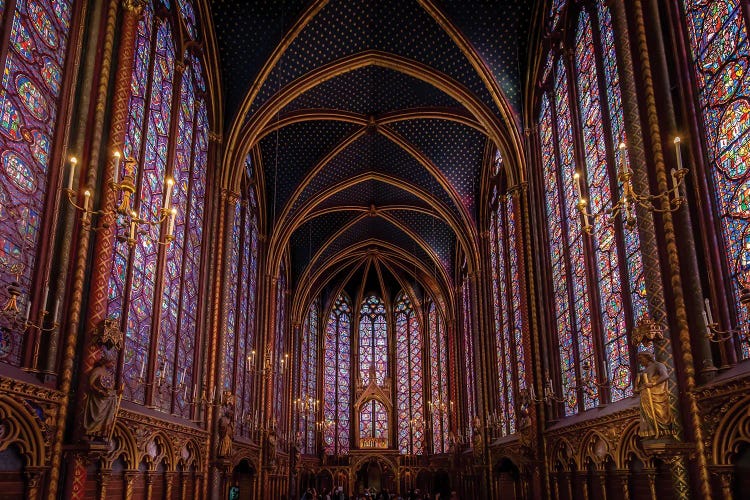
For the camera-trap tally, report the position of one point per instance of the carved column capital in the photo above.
(134, 6)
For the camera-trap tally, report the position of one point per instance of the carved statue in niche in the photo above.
(226, 432)
(477, 441)
(524, 409)
(452, 449)
(653, 387)
(296, 454)
(102, 400)
(271, 441)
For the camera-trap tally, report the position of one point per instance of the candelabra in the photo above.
(630, 198)
(548, 394)
(267, 368)
(124, 213)
(440, 407)
(323, 425)
(306, 406)
(495, 421)
(714, 333)
(22, 323)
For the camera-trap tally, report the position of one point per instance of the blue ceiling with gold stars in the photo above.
(386, 123)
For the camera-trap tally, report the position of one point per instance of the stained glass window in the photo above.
(309, 376)
(373, 341)
(373, 420)
(718, 36)
(187, 12)
(409, 379)
(615, 252)
(468, 348)
(337, 378)
(281, 353)
(606, 251)
(29, 97)
(509, 319)
(441, 405)
(161, 302)
(240, 352)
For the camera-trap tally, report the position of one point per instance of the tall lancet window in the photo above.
(409, 378)
(595, 361)
(441, 404)
(240, 358)
(373, 341)
(505, 247)
(282, 356)
(718, 36)
(34, 49)
(337, 378)
(154, 288)
(468, 348)
(309, 376)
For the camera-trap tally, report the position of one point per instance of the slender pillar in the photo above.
(623, 477)
(102, 480)
(79, 267)
(688, 375)
(129, 478)
(33, 482)
(646, 230)
(651, 476)
(682, 220)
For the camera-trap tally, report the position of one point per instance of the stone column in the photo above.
(102, 480)
(70, 342)
(33, 477)
(623, 477)
(129, 478)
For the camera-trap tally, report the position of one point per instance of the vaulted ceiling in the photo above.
(372, 122)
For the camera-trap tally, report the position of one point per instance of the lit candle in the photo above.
(678, 154)
(116, 173)
(709, 313)
(577, 178)
(73, 162)
(86, 197)
(168, 196)
(582, 205)
(170, 225)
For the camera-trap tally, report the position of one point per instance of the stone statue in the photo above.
(477, 441)
(296, 454)
(102, 400)
(226, 432)
(524, 409)
(271, 441)
(652, 385)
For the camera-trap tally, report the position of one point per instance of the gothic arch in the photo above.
(18, 426)
(732, 432)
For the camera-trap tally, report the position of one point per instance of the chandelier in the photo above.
(124, 188)
(630, 199)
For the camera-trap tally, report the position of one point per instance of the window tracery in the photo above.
(409, 378)
(337, 378)
(718, 38)
(30, 91)
(169, 320)
(603, 272)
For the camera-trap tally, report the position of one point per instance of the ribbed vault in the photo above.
(372, 122)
